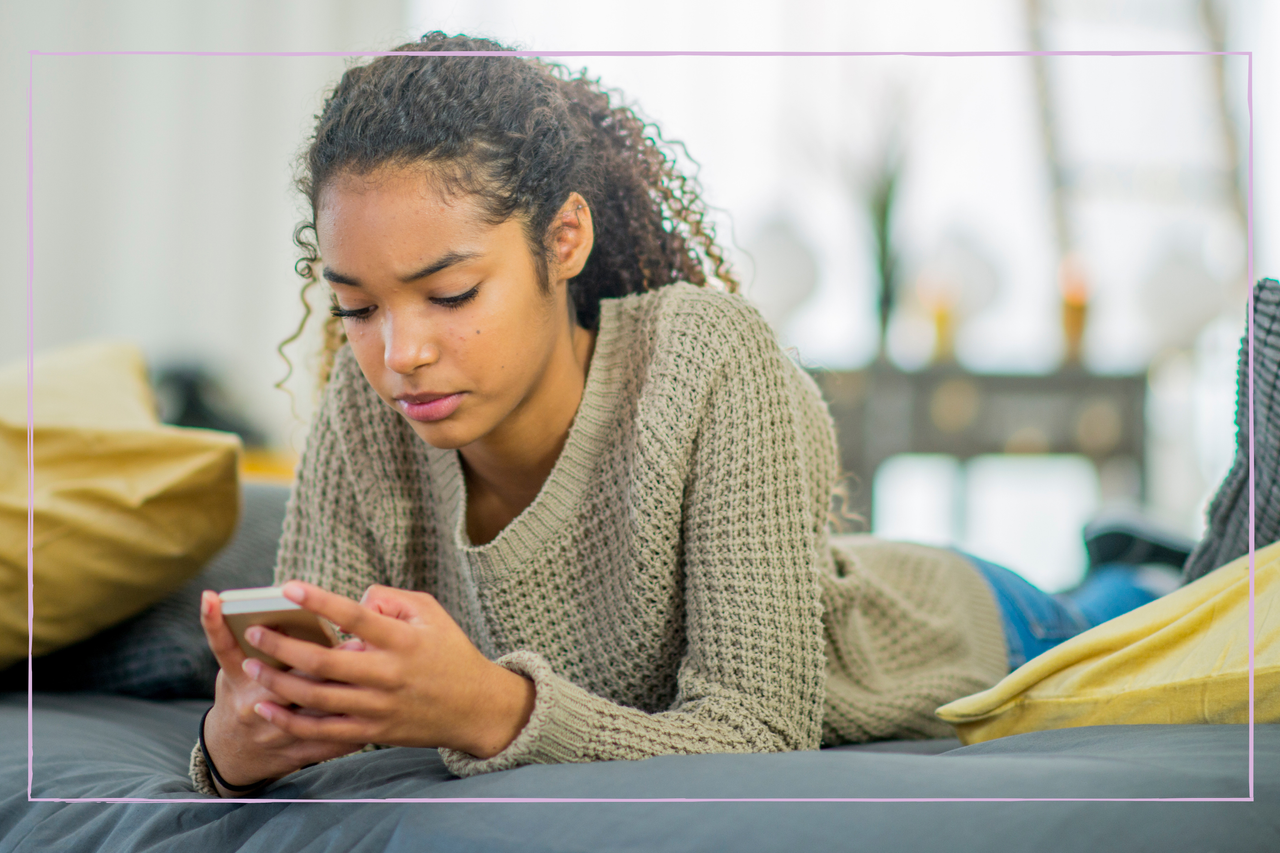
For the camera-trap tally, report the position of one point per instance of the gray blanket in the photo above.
(112, 746)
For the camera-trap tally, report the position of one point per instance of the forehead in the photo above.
(392, 200)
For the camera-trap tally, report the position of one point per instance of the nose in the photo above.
(408, 344)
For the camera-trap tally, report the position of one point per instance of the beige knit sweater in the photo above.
(673, 588)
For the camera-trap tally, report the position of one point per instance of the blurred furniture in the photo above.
(190, 396)
(882, 411)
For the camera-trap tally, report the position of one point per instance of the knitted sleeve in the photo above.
(753, 673)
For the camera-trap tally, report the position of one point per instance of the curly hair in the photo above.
(519, 135)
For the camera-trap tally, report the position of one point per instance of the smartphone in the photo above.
(267, 606)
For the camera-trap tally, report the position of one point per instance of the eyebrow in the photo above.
(443, 262)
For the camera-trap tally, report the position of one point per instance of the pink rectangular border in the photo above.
(30, 317)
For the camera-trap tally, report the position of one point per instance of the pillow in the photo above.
(126, 509)
(1183, 658)
(161, 653)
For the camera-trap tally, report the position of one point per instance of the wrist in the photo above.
(223, 787)
(505, 706)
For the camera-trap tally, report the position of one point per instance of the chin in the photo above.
(443, 435)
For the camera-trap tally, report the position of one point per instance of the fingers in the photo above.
(329, 697)
(399, 604)
(307, 728)
(221, 641)
(236, 698)
(349, 616)
(350, 665)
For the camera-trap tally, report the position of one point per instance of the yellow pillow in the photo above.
(1183, 658)
(126, 509)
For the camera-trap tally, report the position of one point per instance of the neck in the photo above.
(507, 468)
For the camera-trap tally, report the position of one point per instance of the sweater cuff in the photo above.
(555, 733)
(198, 770)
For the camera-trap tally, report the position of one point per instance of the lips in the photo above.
(429, 407)
(421, 398)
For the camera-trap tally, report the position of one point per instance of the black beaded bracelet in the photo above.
(213, 771)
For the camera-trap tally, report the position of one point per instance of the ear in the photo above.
(572, 237)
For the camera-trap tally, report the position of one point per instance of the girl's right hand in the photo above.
(244, 746)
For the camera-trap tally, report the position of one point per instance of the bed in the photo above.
(88, 744)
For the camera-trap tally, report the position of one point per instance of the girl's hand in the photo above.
(419, 681)
(244, 746)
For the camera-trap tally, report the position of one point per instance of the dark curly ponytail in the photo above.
(520, 135)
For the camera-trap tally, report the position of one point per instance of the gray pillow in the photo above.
(161, 653)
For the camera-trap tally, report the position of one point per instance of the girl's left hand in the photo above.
(419, 681)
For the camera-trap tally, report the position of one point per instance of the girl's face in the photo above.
(443, 310)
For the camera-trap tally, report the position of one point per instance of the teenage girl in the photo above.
(564, 491)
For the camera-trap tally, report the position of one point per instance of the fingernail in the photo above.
(261, 711)
(293, 592)
(253, 635)
(206, 603)
(251, 667)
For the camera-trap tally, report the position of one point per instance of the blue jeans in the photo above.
(1035, 621)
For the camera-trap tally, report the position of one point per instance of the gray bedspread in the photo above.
(112, 746)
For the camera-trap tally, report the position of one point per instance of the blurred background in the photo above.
(1020, 281)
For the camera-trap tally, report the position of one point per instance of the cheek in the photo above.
(366, 346)
(364, 341)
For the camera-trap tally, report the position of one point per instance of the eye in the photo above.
(453, 302)
(343, 313)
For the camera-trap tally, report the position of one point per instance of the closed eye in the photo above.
(450, 302)
(354, 314)
(457, 301)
